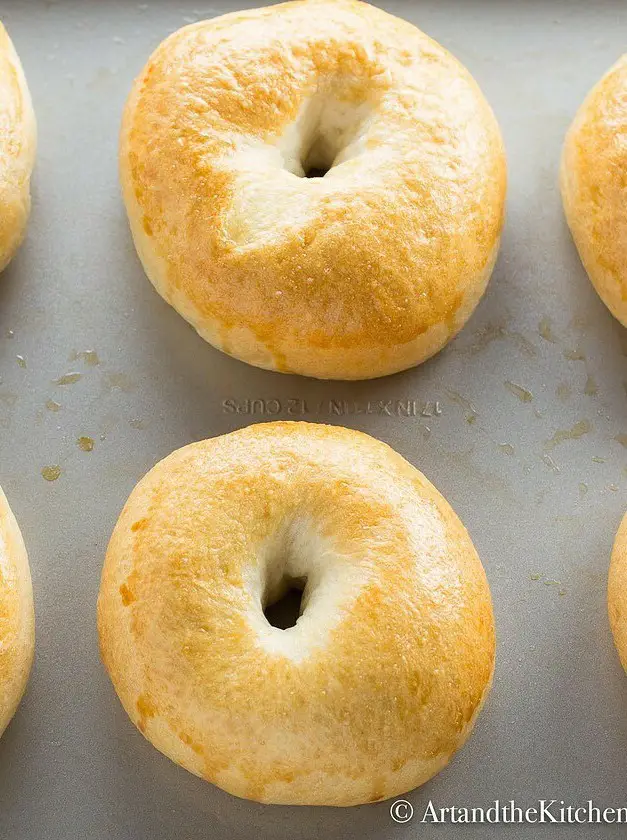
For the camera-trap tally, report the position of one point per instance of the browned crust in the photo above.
(617, 592)
(593, 180)
(17, 621)
(17, 149)
(366, 274)
(380, 702)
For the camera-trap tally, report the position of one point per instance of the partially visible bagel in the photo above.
(617, 592)
(17, 149)
(363, 272)
(593, 178)
(17, 618)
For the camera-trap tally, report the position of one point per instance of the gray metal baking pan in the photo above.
(542, 509)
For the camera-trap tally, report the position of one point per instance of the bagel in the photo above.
(17, 149)
(17, 619)
(363, 272)
(380, 680)
(593, 173)
(617, 592)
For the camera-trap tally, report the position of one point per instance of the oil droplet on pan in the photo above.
(52, 472)
(85, 443)
(591, 389)
(550, 463)
(524, 344)
(518, 391)
(21, 361)
(68, 378)
(90, 357)
(485, 336)
(464, 403)
(546, 331)
(581, 428)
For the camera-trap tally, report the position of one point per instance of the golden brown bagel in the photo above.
(617, 592)
(593, 173)
(363, 272)
(17, 619)
(382, 677)
(17, 149)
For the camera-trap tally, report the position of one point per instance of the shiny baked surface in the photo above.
(617, 592)
(381, 678)
(17, 622)
(365, 271)
(593, 177)
(17, 149)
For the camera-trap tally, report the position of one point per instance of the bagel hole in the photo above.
(285, 612)
(318, 159)
(327, 126)
(315, 172)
